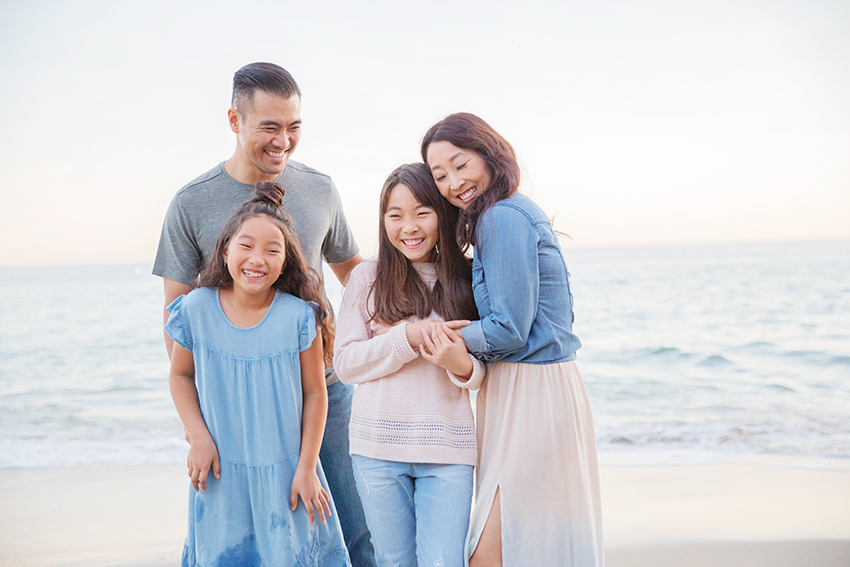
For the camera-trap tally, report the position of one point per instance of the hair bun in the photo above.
(269, 192)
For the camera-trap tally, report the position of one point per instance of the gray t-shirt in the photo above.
(200, 210)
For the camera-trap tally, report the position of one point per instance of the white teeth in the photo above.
(275, 154)
(414, 242)
(251, 274)
(467, 194)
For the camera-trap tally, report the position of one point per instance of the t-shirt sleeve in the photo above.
(339, 244)
(307, 332)
(178, 256)
(178, 327)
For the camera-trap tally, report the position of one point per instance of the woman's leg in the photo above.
(537, 414)
(386, 491)
(488, 553)
(443, 498)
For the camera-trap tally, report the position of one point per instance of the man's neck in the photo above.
(246, 172)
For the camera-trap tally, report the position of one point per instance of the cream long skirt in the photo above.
(538, 447)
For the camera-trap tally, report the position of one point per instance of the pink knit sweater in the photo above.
(405, 408)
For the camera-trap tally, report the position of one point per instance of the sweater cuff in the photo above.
(476, 379)
(401, 347)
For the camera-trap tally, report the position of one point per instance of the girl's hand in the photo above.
(306, 485)
(447, 349)
(203, 454)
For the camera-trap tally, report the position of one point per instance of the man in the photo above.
(265, 116)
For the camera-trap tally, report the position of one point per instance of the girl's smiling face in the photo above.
(412, 228)
(255, 255)
(461, 175)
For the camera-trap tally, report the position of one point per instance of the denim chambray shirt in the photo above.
(521, 287)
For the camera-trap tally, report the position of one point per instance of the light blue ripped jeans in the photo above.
(418, 513)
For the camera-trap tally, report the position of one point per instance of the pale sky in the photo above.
(637, 123)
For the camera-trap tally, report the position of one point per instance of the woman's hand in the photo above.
(203, 454)
(416, 331)
(306, 484)
(447, 349)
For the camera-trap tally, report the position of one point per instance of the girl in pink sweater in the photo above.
(412, 432)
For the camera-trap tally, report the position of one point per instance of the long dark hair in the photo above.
(399, 292)
(469, 132)
(296, 278)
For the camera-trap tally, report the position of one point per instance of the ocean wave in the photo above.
(838, 361)
(800, 437)
(715, 360)
(665, 351)
(818, 357)
(781, 388)
(43, 451)
(758, 345)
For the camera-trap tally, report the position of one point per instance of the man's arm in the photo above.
(343, 270)
(173, 290)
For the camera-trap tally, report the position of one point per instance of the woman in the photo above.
(537, 495)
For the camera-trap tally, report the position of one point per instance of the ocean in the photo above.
(691, 355)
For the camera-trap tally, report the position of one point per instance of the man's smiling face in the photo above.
(268, 128)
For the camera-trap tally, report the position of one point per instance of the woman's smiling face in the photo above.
(461, 175)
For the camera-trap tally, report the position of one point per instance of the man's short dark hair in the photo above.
(266, 77)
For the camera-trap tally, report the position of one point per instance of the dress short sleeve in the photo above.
(178, 327)
(307, 331)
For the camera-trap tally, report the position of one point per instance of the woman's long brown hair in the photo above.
(297, 277)
(469, 132)
(399, 292)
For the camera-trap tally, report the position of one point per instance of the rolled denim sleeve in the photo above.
(507, 241)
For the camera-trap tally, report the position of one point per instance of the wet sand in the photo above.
(688, 516)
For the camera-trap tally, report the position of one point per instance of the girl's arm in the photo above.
(203, 453)
(306, 482)
(360, 356)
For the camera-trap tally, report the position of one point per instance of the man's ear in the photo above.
(233, 119)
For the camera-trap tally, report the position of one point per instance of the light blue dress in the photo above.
(249, 387)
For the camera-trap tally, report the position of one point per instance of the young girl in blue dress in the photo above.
(537, 486)
(412, 431)
(247, 378)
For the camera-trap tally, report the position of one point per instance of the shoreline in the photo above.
(659, 516)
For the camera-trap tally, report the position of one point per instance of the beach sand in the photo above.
(688, 516)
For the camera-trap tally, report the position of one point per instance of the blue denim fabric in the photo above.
(418, 513)
(340, 475)
(521, 286)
